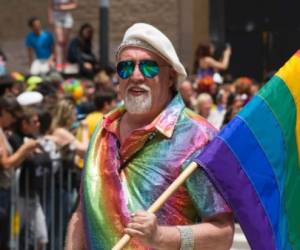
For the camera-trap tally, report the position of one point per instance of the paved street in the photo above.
(239, 241)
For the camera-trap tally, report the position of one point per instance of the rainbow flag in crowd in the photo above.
(254, 161)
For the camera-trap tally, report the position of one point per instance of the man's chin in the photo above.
(137, 108)
(137, 111)
(138, 105)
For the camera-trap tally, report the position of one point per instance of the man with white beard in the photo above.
(138, 150)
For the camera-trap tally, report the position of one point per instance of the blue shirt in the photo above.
(42, 44)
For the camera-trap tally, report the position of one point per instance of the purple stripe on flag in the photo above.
(226, 171)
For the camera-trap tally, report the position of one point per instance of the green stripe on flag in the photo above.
(277, 95)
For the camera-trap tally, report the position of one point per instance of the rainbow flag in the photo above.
(254, 162)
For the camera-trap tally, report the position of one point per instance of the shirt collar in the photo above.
(165, 122)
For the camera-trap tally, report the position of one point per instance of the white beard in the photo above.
(138, 104)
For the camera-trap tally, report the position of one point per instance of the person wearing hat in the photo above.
(138, 150)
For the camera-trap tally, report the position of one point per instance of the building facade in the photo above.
(185, 22)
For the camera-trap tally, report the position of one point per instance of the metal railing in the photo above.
(39, 216)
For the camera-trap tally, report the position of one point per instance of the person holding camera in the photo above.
(207, 68)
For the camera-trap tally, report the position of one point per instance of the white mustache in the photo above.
(138, 104)
(141, 86)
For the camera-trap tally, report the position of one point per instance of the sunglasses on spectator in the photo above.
(148, 68)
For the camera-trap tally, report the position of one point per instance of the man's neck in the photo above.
(138, 121)
(37, 32)
(130, 122)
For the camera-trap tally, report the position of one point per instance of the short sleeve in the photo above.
(206, 198)
(51, 38)
(28, 41)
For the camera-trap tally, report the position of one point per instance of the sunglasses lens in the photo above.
(125, 69)
(149, 68)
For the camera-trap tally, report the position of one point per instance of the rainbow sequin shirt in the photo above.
(119, 180)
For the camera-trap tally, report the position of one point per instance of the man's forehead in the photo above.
(37, 21)
(140, 53)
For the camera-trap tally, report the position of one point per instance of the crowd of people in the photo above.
(44, 49)
(47, 119)
(43, 130)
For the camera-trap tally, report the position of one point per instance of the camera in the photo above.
(227, 46)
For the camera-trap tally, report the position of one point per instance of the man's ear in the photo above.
(173, 77)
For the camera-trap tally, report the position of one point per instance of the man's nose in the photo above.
(137, 74)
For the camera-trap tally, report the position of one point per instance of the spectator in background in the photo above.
(2, 63)
(34, 167)
(80, 51)
(243, 87)
(187, 93)
(204, 105)
(104, 102)
(103, 80)
(217, 113)
(206, 67)
(40, 43)
(6, 85)
(18, 85)
(9, 109)
(63, 116)
(59, 13)
(234, 104)
(86, 104)
(254, 89)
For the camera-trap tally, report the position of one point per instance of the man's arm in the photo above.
(50, 12)
(9, 161)
(30, 56)
(75, 235)
(71, 5)
(213, 233)
(51, 59)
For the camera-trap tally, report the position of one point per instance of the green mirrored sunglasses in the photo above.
(148, 68)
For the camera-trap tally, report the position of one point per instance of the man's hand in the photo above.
(88, 66)
(143, 226)
(51, 62)
(215, 232)
(30, 145)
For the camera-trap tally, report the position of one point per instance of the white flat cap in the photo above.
(148, 37)
(29, 98)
